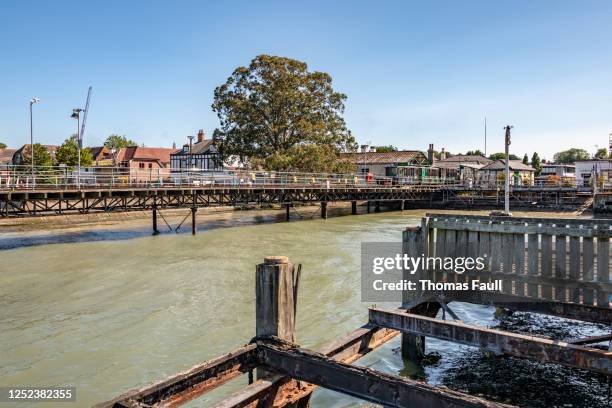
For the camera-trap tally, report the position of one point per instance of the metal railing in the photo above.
(65, 178)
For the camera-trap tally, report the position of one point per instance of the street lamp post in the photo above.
(76, 114)
(32, 102)
(507, 178)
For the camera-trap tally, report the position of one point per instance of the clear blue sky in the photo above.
(414, 72)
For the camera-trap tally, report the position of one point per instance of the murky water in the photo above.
(107, 315)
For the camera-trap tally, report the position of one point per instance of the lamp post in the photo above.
(32, 102)
(507, 181)
(76, 114)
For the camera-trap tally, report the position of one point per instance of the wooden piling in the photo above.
(154, 215)
(368, 207)
(354, 207)
(194, 209)
(377, 206)
(324, 210)
(287, 216)
(275, 304)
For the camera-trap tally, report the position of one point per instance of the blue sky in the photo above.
(414, 72)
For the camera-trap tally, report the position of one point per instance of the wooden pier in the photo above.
(557, 267)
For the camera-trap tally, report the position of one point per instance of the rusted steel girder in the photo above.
(498, 341)
(190, 384)
(279, 391)
(361, 382)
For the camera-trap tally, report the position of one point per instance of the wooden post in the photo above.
(287, 212)
(274, 290)
(415, 244)
(368, 207)
(377, 206)
(402, 205)
(274, 301)
(155, 230)
(194, 209)
(354, 207)
(324, 210)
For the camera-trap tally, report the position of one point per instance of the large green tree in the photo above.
(68, 153)
(2, 145)
(42, 158)
(476, 152)
(526, 159)
(601, 153)
(571, 155)
(275, 105)
(118, 141)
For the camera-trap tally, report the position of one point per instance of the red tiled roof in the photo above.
(6, 155)
(161, 154)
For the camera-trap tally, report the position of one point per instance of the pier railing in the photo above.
(287, 374)
(66, 178)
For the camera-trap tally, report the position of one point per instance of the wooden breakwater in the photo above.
(280, 373)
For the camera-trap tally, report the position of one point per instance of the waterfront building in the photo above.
(559, 173)
(144, 163)
(461, 167)
(596, 169)
(199, 156)
(23, 153)
(387, 163)
(492, 175)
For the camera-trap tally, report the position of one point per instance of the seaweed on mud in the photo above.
(529, 383)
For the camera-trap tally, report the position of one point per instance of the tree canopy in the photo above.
(118, 142)
(274, 109)
(571, 155)
(385, 149)
(526, 159)
(536, 163)
(476, 152)
(502, 156)
(2, 145)
(601, 153)
(68, 153)
(42, 158)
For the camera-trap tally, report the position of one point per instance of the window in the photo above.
(150, 165)
(141, 165)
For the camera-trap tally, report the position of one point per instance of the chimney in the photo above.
(442, 154)
(201, 135)
(430, 154)
(174, 145)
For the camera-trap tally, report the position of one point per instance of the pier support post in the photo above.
(154, 214)
(324, 210)
(414, 245)
(354, 207)
(368, 207)
(377, 206)
(275, 307)
(287, 216)
(194, 209)
(402, 205)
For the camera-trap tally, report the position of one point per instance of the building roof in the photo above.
(6, 155)
(402, 156)
(470, 158)
(197, 148)
(160, 154)
(514, 165)
(96, 151)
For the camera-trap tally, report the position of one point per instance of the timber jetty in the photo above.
(558, 267)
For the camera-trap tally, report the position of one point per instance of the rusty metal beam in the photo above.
(576, 311)
(190, 384)
(362, 382)
(498, 341)
(285, 391)
(592, 339)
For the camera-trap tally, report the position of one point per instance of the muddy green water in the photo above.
(114, 314)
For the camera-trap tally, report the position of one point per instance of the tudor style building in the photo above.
(201, 156)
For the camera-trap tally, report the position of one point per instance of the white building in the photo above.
(588, 170)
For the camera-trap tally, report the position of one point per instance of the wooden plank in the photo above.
(440, 275)
(518, 258)
(462, 250)
(496, 251)
(533, 264)
(497, 341)
(507, 249)
(511, 228)
(585, 222)
(362, 382)
(574, 268)
(603, 270)
(560, 265)
(196, 381)
(588, 266)
(546, 259)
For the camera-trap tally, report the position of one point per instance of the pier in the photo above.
(559, 267)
